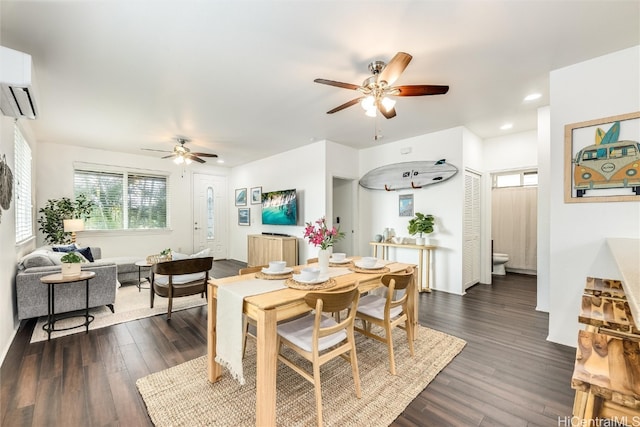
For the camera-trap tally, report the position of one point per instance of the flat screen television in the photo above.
(280, 207)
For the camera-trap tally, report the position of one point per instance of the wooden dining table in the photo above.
(267, 310)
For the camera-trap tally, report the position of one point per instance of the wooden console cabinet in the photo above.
(264, 248)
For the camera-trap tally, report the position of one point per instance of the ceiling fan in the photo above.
(377, 89)
(182, 154)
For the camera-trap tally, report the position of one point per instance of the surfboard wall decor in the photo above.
(400, 176)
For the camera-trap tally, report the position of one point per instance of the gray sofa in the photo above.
(32, 294)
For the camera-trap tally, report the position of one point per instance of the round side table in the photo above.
(141, 264)
(57, 279)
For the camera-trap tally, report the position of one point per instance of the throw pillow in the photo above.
(202, 254)
(65, 248)
(86, 252)
(37, 258)
(177, 255)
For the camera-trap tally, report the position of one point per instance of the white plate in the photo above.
(375, 267)
(344, 261)
(284, 271)
(320, 279)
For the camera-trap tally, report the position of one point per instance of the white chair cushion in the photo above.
(373, 306)
(300, 332)
(161, 279)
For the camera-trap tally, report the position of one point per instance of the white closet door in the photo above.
(471, 232)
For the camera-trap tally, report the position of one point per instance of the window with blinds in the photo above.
(22, 187)
(124, 200)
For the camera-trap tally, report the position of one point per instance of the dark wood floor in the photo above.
(506, 375)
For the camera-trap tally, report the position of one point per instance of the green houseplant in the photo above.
(57, 210)
(420, 224)
(71, 263)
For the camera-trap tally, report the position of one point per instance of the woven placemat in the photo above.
(261, 275)
(369, 270)
(310, 287)
(340, 264)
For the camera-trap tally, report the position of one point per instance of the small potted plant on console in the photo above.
(420, 224)
(71, 264)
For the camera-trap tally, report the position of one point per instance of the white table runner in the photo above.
(229, 333)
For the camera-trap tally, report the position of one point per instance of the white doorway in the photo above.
(210, 215)
(343, 208)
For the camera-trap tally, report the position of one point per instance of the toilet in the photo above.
(499, 260)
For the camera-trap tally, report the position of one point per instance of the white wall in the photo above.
(598, 88)
(303, 169)
(379, 209)
(509, 152)
(55, 180)
(10, 253)
(544, 189)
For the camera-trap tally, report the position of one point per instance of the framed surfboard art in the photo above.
(400, 176)
(602, 160)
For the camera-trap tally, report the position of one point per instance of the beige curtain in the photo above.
(514, 225)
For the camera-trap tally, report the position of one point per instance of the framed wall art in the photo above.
(602, 160)
(405, 204)
(256, 195)
(241, 197)
(244, 216)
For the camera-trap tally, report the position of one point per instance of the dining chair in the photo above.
(312, 260)
(173, 279)
(246, 321)
(389, 311)
(319, 338)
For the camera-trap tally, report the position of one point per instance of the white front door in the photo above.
(210, 214)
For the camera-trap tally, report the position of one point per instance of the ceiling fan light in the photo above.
(178, 160)
(371, 112)
(388, 103)
(188, 161)
(368, 103)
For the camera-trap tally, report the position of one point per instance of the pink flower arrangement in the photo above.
(319, 234)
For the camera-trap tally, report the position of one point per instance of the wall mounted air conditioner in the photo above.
(16, 92)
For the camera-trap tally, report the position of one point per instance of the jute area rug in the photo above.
(182, 395)
(130, 305)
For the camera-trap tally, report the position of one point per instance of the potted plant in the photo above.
(71, 264)
(57, 210)
(420, 224)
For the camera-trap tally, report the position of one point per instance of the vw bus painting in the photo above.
(609, 163)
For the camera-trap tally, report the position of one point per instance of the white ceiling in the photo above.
(237, 76)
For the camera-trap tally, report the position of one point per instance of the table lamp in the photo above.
(73, 225)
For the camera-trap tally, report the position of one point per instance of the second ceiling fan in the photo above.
(377, 89)
(182, 154)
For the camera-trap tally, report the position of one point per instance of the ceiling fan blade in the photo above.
(159, 151)
(394, 68)
(389, 114)
(420, 90)
(345, 105)
(337, 84)
(192, 157)
(204, 154)
(169, 156)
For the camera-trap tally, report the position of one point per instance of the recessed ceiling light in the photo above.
(220, 161)
(532, 96)
(506, 126)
